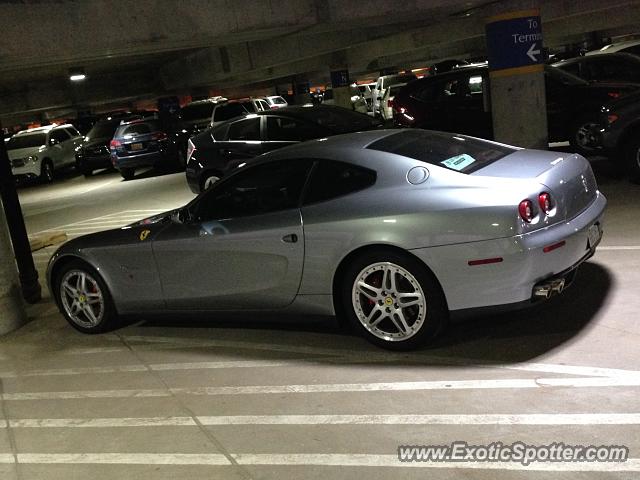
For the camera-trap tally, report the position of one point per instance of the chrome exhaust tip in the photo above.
(543, 291)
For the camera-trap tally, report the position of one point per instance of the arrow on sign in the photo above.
(531, 53)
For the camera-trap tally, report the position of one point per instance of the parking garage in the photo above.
(434, 288)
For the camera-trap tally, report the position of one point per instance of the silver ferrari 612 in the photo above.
(392, 230)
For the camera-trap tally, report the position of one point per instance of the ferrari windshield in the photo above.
(448, 150)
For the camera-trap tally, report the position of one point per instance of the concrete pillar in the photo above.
(341, 89)
(516, 71)
(12, 313)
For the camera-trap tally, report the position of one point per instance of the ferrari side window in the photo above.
(265, 188)
(331, 179)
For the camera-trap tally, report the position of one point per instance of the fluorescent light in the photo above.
(77, 77)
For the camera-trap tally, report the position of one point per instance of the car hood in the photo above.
(23, 152)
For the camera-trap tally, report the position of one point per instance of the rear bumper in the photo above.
(141, 160)
(524, 263)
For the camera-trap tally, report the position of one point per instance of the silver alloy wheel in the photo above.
(210, 181)
(82, 298)
(389, 302)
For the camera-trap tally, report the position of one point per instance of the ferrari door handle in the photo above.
(291, 238)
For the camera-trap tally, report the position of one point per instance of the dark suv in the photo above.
(458, 101)
(220, 149)
(148, 142)
(93, 153)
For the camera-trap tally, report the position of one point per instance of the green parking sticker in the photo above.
(459, 162)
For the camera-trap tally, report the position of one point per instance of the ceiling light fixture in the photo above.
(77, 75)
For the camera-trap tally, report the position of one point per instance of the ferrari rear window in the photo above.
(447, 150)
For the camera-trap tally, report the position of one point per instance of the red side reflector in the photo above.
(484, 261)
(550, 248)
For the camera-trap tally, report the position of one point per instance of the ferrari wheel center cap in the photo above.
(388, 301)
(82, 299)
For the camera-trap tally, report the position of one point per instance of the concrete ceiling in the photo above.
(143, 48)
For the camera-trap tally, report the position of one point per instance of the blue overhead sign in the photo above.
(514, 40)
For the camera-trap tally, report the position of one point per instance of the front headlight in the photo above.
(31, 159)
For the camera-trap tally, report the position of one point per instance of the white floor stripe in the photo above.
(463, 419)
(248, 420)
(101, 422)
(124, 458)
(84, 394)
(572, 370)
(337, 388)
(621, 247)
(142, 368)
(305, 459)
(367, 460)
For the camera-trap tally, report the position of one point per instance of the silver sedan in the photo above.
(392, 230)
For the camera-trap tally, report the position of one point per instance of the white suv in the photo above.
(38, 152)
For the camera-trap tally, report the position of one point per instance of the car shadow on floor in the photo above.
(508, 337)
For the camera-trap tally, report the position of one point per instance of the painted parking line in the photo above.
(305, 459)
(250, 420)
(516, 383)
(101, 422)
(619, 247)
(462, 419)
(121, 458)
(145, 368)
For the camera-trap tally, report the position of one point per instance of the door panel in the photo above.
(243, 263)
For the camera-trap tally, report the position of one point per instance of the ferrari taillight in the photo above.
(526, 210)
(544, 200)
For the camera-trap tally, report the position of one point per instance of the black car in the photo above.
(618, 133)
(604, 67)
(458, 101)
(214, 152)
(157, 142)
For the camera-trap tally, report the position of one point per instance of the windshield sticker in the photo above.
(459, 162)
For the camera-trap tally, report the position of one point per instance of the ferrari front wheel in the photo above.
(393, 300)
(84, 300)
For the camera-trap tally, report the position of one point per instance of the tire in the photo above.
(87, 305)
(127, 173)
(631, 158)
(393, 327)
(208, 179)
(87, 173)
(581, 137)
(46, 171)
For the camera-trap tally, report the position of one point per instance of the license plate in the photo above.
(594, 233)
(136, 146)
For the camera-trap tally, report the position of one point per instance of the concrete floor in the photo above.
(273, 398)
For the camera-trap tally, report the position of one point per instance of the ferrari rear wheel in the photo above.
(393, 300)
(84, 300)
